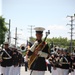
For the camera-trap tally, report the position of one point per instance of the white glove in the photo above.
(42, 54)
(33, 46)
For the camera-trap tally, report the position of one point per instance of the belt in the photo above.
(64, 63)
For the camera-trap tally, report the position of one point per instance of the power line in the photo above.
(72, 28)
(15, 36)
(9, 32)
(31, 29)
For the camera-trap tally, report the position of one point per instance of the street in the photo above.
(23, 72)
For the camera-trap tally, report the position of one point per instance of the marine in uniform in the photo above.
(53, 62)
(26, 62)
(1, 53)
(65, 62)
(20, 60)
(59, 65)
(72, 66)
(38, 67)
(16, 59)
(6, 59)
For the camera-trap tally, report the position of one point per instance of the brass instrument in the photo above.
(39, 47)
(23, 47)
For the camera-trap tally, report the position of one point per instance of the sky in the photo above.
(50, 14)
(0, 7)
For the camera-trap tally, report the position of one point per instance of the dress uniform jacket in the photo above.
(15, 58)
(20, 58)
(66, 62)
(72, 61)
(39, 64)
(6, 62)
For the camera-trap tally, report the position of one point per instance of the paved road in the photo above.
(23, 72)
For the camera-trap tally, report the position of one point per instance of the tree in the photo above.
(60, 41)
(3, 29)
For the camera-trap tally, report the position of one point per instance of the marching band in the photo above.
(10, 60)
(60, 61)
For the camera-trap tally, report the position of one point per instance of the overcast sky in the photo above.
(0, 7)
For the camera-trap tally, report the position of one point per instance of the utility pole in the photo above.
(9, 39)
(31, 29)
(15, 36)
(72, 28)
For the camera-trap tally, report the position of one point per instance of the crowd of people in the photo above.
(62, 62)
(38, 58)
(59, 62)
(10, 60)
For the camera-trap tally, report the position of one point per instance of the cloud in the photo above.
(58, 30)
(56, 27)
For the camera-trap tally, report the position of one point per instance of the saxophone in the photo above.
(39, 47)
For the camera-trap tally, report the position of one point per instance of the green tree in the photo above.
(3, 29)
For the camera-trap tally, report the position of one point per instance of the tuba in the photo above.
(39, 47)
(23, 47)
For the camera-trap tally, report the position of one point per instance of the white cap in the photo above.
(39, 29)
(13, 46)
(6, 43)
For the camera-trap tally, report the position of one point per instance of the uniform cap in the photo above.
(64, 49)
(61, 49)
(6, 43)
(13, 46)
(39, 29)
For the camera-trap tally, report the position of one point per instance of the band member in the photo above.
(65, 62)
(53, 62)
(38, 67)
(26, 62)
(20, 61)
(1, 53)
(15, 70)
(29, 44)
(6, 59)
(48, 64)
(73, 64)
(59, 65)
